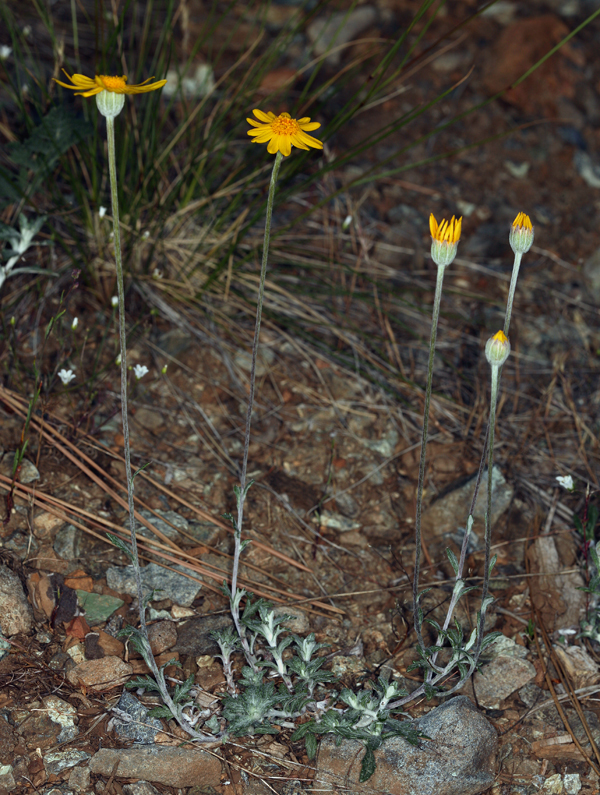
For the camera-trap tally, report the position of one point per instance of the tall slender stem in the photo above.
(241, 497)
(488, 514)
(434, 324)
(110, 134)
(511, 290)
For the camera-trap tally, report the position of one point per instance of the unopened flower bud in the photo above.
(497, 349)
(521, 234)
(444, 240)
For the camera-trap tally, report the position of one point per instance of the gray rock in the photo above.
(79, 778)
(57, 761)
(140, 788)
(587, 168)
(150, 419)
(28, 473)
(172, 516)
(501, 678)
(5, 647)
(181, 590)
(458, 759)
(67, 543)
(7, 780)
(336, 521)
(64, 714)
(333, 30)
(450, 511)
(141, 729)
(264, 360)
(16, 614)
(174, 767)
(193, 637)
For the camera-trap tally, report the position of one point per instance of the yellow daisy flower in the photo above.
(521, 234)
(86, 87)
(444, 239)
(282, 132)
(445, 232)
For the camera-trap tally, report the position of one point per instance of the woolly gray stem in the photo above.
(420, 486)
(241, 497)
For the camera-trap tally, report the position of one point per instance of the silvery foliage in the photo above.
(255, 705)
(20, 241)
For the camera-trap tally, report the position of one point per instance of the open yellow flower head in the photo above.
(497, 349)
(444, 239)
(282, 132)
(109, 91)
(521, 234)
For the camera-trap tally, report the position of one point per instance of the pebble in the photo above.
(194, 636)
(67, 543)
(450, 512)
(264, 360)
(298, 621)
(100, 675)
(459, 758)
(581, 669)
(64, 714)
(181, 590)
(57, 761)
(173, 767)
(336, 521)
(98, 607)
(500, 678)
(29, 472)
(141, 729)
(588, 169)
(162, 636)
(149, 419)
(140, 788)
(7, 780)
(79, 778)
(16, 614)
(45, 525)
(171, 516)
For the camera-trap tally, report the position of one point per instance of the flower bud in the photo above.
(521, 234)
(444, 240)
(497, 349)
(109, 103)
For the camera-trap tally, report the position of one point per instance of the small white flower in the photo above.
(140, 371)
(118, 359)
(164, 369)
(157, 274)
(101, 211)
(75, 323)
(5, 52)
(347, 222)
(27, 30)
(566, 481)
(66, 376)
(115, 300)
(146, 235)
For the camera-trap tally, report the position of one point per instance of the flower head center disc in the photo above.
(113, 83)
(284, 125)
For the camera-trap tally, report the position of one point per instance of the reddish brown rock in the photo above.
(99, 675)
(162, 636)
